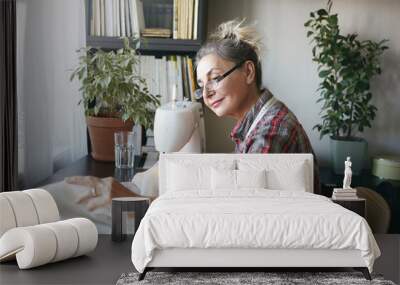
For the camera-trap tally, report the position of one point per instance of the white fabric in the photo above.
(7, 218)
(187, 174)
(255, 257)
(40, 244)
(198, 166)
(251, 178)
(45, 206)
(147, 182)
(32, 246)
(282, 174)
(87, 234)
(226, 179)
(223, 179)
(250, 219)
(26, 208)
(23, 208)
(35, 244)
(51, 124)
(66, 237)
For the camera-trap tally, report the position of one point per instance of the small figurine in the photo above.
(347, 174)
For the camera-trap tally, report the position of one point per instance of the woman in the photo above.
(229, 76)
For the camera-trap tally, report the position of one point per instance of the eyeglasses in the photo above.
(213, 84)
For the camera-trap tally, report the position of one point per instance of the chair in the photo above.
(31, 232)
(378, 211)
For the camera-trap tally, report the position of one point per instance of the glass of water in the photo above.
(124, 154)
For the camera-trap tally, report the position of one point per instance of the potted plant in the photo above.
(346, 66)
(114, 96)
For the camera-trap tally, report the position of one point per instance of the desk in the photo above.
(88, 166)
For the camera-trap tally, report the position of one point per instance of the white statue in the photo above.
(347, 174)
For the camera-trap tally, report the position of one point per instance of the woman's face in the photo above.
(231, 93)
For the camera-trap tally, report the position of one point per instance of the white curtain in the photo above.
(51, 125)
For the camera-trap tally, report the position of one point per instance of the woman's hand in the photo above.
(103, 190)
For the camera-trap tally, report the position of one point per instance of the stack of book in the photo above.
(156, 33)
(163, 73)
(344, 194)
(185, 17)
(126, 18)
(116, 18)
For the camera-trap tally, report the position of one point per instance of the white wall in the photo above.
(291, 75)
(52, 131)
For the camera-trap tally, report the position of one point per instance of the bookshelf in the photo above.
(153, 46)
(158, 52)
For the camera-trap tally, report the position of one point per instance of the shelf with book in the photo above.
(149, 46)
(181, 40)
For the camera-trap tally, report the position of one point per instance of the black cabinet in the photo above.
(357, 205)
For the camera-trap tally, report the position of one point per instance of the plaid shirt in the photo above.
(278, 131)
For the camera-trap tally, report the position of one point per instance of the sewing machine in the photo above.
(179, 127)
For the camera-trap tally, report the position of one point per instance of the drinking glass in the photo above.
(124, 154)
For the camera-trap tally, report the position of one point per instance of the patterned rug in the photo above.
(243, 278)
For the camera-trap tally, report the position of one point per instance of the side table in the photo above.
(138, 205)
(357, 205)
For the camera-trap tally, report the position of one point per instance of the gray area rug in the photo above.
(230, 278)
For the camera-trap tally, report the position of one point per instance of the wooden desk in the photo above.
(88, 166)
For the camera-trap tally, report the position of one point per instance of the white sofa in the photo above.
(31, 233)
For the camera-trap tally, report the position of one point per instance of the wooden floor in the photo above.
(110, 260)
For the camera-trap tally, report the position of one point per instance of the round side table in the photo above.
(138, 205)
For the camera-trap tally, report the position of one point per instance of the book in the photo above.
(175, 20)
(102, 20)
(127, 23)
(190, 17)
(156, 32)
(132, 17)
(344, 198)
(191, 79)
(179, 77)
(109, 13)
(92, 20)
(345, 194)
(122, 18)
(340, 190)
(195, 18)
(96, 17)
(118, 17)
(138, 17)
(184, 78)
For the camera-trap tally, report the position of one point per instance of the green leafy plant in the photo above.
(112, 87)
(346, 66)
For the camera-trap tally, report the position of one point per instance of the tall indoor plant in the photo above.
(346, 66)
(114, 95)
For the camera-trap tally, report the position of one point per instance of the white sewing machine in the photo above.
(179, 127)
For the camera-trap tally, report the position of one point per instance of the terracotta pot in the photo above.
(101, 132)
